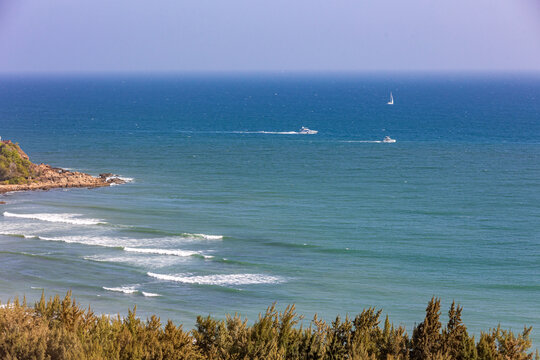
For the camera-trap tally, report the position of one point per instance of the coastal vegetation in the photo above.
(60, 329)
(15, 167)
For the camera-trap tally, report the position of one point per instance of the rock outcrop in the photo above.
(17, 173)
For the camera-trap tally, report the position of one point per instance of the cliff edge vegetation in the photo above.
(60, 329)
(15, 166)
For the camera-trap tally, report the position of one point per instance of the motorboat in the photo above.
(388, 139)
(305, 130)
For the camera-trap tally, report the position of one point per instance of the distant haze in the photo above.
(269, 35)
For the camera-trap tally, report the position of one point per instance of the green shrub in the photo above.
(14, 168)
(61, 329)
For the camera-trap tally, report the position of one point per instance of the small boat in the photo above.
(305, 130)
(391, 102)
(388, 139)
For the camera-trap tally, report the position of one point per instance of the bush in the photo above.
(61, 329)
(14, 168)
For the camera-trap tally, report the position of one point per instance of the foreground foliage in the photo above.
(60, 329)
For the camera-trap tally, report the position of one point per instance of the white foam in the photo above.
(98, 259)
(123, 178)
(126, 244)
(263, 132)
(87, 240)
(162, 251)
(205, 236)
(362, 141)
(144, 262)
(219, 279)
(273, 132)
(149, 294)
(122, 289)
(57, 218)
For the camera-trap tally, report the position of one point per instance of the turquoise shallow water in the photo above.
(220, 218)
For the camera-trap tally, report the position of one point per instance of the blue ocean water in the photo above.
(224, 214)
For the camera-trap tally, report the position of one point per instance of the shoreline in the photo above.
(57, 178)
(20, 174)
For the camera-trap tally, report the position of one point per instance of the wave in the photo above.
(163, 251)
(57, 218)
(148, 263)
(218, 279)
(204, 236)
(126, 179)
(130, 290)
(185, 235)
(85, 240)
(115, 243)
(24, 236)
(122, 289)
(363, 141)
(111, 242)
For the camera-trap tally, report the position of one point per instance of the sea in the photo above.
(227, 208)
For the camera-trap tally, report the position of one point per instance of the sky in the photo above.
(143, 36)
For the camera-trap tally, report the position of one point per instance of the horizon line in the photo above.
(379, 72)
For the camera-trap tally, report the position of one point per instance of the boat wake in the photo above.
(278, 132)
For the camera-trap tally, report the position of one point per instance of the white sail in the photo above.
(391, 102)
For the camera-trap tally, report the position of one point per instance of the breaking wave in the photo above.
(222, 280)
(163, 251)
(204, 236)
(126, 179)
(85, 240)
(122, 289)
(57, 218)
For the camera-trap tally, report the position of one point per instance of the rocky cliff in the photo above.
(18, 173)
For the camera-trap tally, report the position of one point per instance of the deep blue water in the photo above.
(332, 222)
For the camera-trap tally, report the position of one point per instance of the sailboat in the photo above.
(391, 102)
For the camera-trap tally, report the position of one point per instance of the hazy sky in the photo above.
(268, 35)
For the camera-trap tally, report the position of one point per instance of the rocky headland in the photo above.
(18, 173)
